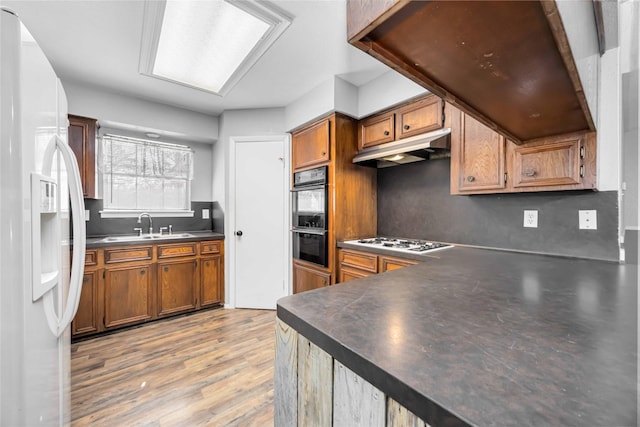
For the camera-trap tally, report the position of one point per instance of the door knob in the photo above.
(239, 233)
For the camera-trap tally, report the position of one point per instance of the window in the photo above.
(141, 175)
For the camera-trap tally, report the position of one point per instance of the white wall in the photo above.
(385, 91)
(315, 103)
(126, 112)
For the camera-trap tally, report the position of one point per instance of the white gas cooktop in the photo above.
(400, 245)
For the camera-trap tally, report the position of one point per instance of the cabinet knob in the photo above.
(471, 178)
(529, 172)
(239, 233)
(386, 133)
(323, 153)
(166, 269)
(406, 127)
(207, 263)
(85, 279)
(142, 272)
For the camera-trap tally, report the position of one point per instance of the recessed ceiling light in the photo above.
(208, 45)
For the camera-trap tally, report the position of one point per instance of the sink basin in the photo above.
(144, 237)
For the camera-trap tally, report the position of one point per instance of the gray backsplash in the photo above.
(414, 202)
(98, 226)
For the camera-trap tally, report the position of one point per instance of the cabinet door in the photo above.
(88, 319)
(390, 263)
(376, 130)
(310, 146)
(306, 278)
(419, 117)
(346, 274)
(176, 286)
(82, 141)
(211, 280)
(128, 295)
(481, 160)
(547, 165)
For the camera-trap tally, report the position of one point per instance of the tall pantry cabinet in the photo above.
(352, 196)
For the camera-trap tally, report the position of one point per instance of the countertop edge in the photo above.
(422, 406)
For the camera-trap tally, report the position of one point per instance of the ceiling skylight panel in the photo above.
(207, 44)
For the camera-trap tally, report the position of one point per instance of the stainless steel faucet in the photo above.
(150, 221)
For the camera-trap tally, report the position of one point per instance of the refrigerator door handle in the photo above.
(59, 324)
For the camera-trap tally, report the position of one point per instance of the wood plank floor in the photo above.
(210, 368)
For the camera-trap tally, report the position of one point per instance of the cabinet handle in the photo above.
(471, 178)
(406, 127)
(166, 269)
(529, 172)
(195, 264)
(386, 133)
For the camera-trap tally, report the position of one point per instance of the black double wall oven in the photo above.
(309, 203)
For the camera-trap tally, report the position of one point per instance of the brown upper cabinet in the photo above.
(416, 117)
(82, 141)
(507, 64)
(483, 161)
(310, 146)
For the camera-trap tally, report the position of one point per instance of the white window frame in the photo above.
(133, 213)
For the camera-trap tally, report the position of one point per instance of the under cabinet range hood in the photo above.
(435, 144)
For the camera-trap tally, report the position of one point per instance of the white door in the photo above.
(261, 222)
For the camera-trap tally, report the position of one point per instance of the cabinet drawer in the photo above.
(359, 260)
(419, 117)
(376, 130)
(347, 274)
(91, 257)
(389, 263)
(176, 249)
(212, 247)
(137, 253)
(549, 164)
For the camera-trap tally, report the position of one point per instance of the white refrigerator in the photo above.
(41, 208)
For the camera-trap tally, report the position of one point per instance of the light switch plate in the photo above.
(87, 215)
(205, 213)
(588, 220)
(531, 219)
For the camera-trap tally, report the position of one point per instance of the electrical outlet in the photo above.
(588, 220)
(87, 215)
(531, 219)
(205, 213)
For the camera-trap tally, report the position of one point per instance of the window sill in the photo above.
(122, 213)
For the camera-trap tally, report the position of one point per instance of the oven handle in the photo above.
(316, 231)
(309, 188)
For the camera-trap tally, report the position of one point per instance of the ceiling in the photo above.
(97, 43)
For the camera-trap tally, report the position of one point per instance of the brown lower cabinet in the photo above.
(128, 285)
(88, 315)
(307, 277)
(359, 264)
(128, 295)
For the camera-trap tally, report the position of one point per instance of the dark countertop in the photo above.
(484, 337)
(98, 242)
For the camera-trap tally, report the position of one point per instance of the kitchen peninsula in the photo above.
(456, 340)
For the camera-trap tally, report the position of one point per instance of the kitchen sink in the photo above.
(144, 237)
